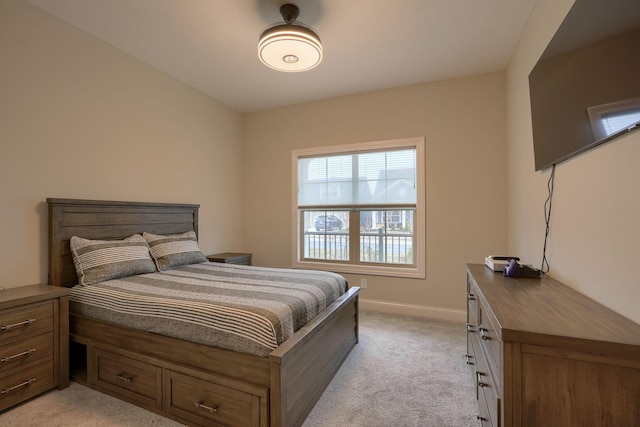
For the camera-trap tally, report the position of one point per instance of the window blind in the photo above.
(361, 179)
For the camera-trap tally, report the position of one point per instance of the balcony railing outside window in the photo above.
(385, 236)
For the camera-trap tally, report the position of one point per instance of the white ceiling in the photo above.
(368, 44)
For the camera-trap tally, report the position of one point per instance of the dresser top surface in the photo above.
(547, 307)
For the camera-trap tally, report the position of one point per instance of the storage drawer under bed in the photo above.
(209, 403)
(139, 381)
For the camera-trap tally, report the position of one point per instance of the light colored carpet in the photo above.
(405, 372)
(79, 406)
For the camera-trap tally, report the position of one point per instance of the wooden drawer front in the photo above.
(472, 347)
(28, 351)
(472, 302)
(484, 419)
(139, 381)
(490, 342)
(472, 315)
(487, 390)
(24, 384)
(25, 321)
(208, 403)
(472, 325)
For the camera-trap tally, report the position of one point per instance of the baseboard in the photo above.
(414, 310)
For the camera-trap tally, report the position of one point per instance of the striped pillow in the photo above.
(174, 250)
(100, 260)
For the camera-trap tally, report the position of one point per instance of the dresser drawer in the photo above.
(472, 302)
(473, 346)
(24, 384)
(209, 403)
(488, 399)
(24, 352)
(139, 381)
(472, 318)
(490, 341)
(25, 321)
(484, 419)
(486, 388)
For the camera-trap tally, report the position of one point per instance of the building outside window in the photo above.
(360, 208)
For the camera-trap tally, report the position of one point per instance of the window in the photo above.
(360, 208)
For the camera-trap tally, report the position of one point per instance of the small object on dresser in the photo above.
(231, 258)
(498, 262)
(514, 269)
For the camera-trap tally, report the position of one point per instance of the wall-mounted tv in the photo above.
(585, 89)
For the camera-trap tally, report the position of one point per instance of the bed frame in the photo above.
(278, 391)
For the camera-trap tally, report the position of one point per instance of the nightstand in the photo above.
(231, 258)
(34, 342)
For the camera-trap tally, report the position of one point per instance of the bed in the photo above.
(193, 383)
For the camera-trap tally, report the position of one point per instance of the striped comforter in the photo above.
(241, 308)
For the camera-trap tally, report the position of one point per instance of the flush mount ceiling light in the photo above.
(290, 46)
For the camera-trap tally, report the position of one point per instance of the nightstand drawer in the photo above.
(25, 321)
(208, 403)
(139, 381)
(27, 351)
(25, 384)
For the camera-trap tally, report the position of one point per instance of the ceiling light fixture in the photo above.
(291, 46)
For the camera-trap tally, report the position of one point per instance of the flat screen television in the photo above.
(585, 88)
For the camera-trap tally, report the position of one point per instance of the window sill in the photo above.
(370, 270)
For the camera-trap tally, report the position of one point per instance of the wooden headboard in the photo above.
(106, 220)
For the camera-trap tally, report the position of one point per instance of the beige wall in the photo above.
(595, 228)
(80, 119)
(463, 122)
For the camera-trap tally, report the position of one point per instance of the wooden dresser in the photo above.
(34, 342)
(542, 354)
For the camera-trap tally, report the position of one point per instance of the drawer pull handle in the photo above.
(470, 327)
(480, 420)
(471, 297)
(15, 356)
(480, 383)
(483, 334)
(124, 378)
(469, 362)
(201, 404)
(15, 325)
(15, 387)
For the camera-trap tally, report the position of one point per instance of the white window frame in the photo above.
(416, 271)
